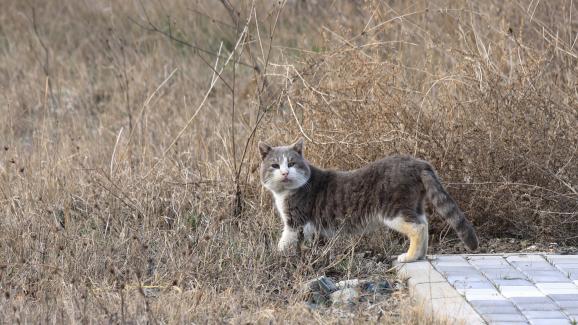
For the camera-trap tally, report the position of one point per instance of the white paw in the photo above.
(403, 258)
(285, 244)
(288, 239)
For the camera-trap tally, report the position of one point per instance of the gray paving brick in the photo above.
(514, 282)
(456, 269)
(568, 304)
(503, 317)
(525, 258)
(566, 266)
(520, 291)
(562, 259)
(503, 274)
(473, 285)
(565, 288)
(447, 258)
(511, 309)
(530, 300)
(485, 303)
(570, 311)
(556, 298)
(488, 261)
(528, 266)
(543, 314)
(563, 321)
(452, 278)
(547, 276)
(538, 307)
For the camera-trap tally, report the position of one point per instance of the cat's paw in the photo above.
(285, 244)
(404, 258)
(288, 239)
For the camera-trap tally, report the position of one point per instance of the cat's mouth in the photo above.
(285, 180)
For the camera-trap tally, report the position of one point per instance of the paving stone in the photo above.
(520, 291)
(567, 270)
(456, 269)
(503, 274)
(463, 264)
(511, 309)
(530, 266)
(538, 276)
(547, 276)
(562, 259)
(568, 304)
(473, 285)
(476, 294)
(557, 288)
(556, 298)
(538, 307)
(452, 278)
(531, 300)
(497, 303)
(503, 317)
(525, 258)
(566, 266)
(513, 282)
(447, 258)
(543, 314)
(480, 257)
(570, 311)
(538, 272)
(550, 322)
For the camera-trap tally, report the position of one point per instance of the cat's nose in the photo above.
(284, 172)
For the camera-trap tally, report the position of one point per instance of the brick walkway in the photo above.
(498, 289)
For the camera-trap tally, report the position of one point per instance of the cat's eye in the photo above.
(276, 166)
(291, 164)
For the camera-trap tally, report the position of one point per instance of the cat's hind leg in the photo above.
(416, 229)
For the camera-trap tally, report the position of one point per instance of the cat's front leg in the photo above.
(289, 238)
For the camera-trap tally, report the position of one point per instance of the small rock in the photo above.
(322, 284)
(344, 296)
(382, 287)
(352, 283)
(326, 285)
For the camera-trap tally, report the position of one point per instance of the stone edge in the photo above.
(434, 293)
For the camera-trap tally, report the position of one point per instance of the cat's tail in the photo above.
(448, 209)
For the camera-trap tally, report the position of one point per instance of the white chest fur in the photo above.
(281, 205)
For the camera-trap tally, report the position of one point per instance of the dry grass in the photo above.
(128, 190)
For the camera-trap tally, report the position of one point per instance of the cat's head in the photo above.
(283, 168)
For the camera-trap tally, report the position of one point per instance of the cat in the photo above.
(391, 191)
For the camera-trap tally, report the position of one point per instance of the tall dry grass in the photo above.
(128, 189)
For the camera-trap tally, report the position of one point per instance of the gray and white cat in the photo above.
(391, 191)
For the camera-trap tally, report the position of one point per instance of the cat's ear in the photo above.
(264, 149)
(298, 146)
